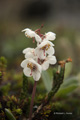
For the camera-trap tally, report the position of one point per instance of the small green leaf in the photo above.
(63, 92)
(9, 114)
(70, 81)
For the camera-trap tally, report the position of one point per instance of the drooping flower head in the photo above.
(31, 34)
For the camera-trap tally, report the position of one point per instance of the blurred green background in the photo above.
(61, 17)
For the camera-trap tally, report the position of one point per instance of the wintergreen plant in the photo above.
(38, 59)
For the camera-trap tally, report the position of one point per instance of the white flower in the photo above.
(50, 36)
(29, 52)
(31, 68)
(31, 34)
(46, 47)
(41, 57)
(48, 60)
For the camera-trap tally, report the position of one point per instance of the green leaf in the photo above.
(70, 81)
(63, 92)
(68, 86)
(9, 114)
(47, 81)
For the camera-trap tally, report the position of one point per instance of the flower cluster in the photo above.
(38, 59)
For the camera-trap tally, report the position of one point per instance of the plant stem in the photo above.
(32, 100)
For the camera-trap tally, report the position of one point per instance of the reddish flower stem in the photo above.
(32, 100)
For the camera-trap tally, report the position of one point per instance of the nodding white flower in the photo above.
(46, 47)
(50, 36)
(29, 53)
(31, 68)
(31, 34)
(48, 60)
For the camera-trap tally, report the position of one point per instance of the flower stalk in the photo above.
(32, 100)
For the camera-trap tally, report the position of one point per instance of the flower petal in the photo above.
(39, 68)
(50, 36)
(27, 71)
(36, 75)
(45, 43)
(52, 60)
(50, 51)
(30, 34)
(29, 55)
(45, 65)
(24, 63)
(37, 37)
(40, 53)
(26, 50)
